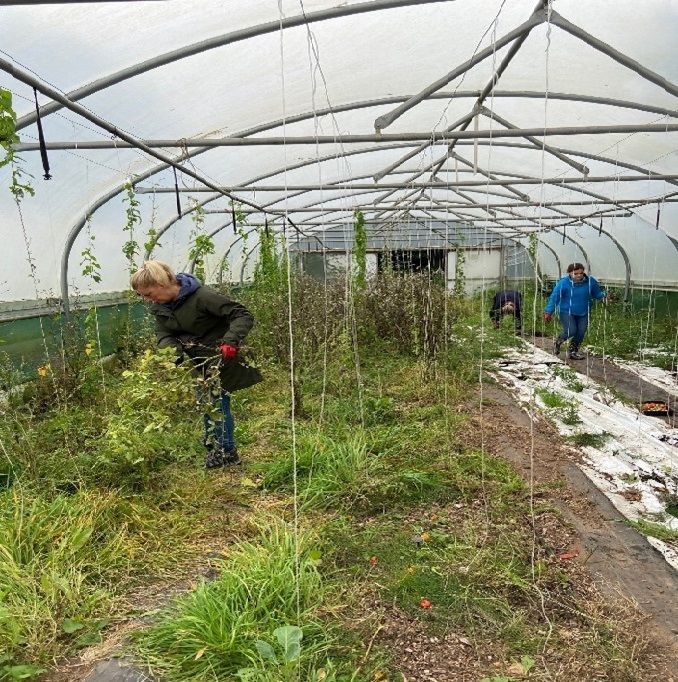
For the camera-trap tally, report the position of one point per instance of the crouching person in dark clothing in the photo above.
(507, 302)
(209, 328)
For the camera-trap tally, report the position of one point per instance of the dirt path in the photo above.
(620, 559)
(608, 374)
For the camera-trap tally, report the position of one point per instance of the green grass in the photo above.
(552, 399)
(221, 630)
(655, 530)
(570, 416)
(590, 440)
(65, 562)
(106, 493)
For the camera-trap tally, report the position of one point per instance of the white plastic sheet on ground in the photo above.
(666, 381)
(636, 466)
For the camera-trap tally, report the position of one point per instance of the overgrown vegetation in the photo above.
(369, 504)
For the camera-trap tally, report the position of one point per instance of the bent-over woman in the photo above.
(208, 327)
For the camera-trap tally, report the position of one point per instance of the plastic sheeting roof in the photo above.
(561, 129)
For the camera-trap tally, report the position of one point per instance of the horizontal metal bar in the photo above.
(425, 204)
(438, 184)
(433, 137)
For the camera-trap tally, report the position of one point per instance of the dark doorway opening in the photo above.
(412, 260)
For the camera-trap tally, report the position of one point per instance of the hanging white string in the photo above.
(342, 159)
(295, 483)
(533, 563)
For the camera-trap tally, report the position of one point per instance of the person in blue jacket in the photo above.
(573, 296)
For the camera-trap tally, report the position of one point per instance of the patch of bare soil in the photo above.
(619, 559)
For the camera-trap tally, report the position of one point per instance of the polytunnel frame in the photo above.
(374, 6)
(442, 185)
(516, 179)
(104, 199)
(556, 152)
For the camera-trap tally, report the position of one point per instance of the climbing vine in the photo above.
(269, 270)
(90, 264)
(359, 252)
(532, 246)
(7, 127)
(240, 219)
(133, 218)
(460, 272)
(20, 186)
(152, 235)
(201, 244)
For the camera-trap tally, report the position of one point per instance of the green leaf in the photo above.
(527, 663)
(266, 651)
(81, 537)
(71, 625)
(23, 672)
(88, 639)
(289, 637)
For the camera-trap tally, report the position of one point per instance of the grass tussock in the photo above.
(261, 619)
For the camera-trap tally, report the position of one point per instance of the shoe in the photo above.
(576, 355)
(221, 458)
(556, 346)
(232, 457)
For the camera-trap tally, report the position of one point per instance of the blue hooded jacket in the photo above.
(574, 298)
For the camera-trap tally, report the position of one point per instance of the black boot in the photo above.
(574, 353)
(219, 458)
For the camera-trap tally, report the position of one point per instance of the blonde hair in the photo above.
(153, 272)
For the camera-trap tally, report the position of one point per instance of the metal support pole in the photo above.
(434, 137)
(434, 184)
(537, 143)
(387, 119)
(647, 74)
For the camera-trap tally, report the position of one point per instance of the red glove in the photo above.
(547, 317)
(228, 352)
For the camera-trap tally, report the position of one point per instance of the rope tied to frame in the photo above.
(41, 138)
(184, 149)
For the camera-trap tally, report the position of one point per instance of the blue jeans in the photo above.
(219, 422)
(574, 327)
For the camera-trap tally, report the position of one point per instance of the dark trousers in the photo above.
(574, 327)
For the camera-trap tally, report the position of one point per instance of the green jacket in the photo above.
(198, 325)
